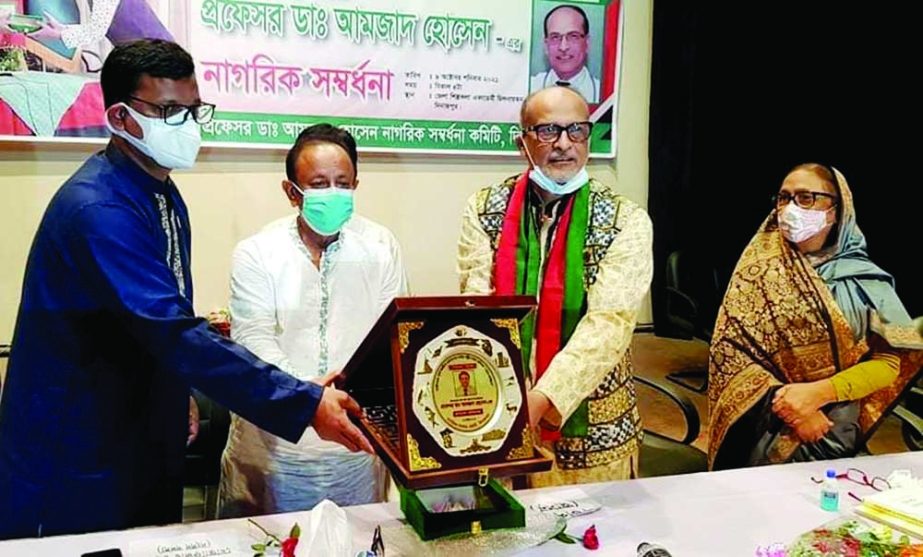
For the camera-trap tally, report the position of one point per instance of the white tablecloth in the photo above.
(708, 515)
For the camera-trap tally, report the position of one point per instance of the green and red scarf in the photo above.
(562, 299)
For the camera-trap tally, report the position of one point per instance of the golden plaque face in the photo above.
(466, 390)
(466, 393)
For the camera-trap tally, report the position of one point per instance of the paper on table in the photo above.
(900, 507)
(565, 503)
(895, 521)
(905, 501)
(213, 544)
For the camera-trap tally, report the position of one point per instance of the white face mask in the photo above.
(170, 146)
(798, 224)
(552, 186)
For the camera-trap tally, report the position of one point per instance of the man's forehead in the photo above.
(166, 89)
(556, 108)
(323, 158)
(565, 18)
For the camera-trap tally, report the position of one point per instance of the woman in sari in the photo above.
(812, 346)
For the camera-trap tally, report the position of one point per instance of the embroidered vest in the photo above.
(609, 428)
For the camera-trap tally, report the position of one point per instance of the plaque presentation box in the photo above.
(443, 386)
(487, 508)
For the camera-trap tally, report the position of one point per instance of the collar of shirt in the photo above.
(545, 209)
(577, 81)
(137, 175)
(332, 248)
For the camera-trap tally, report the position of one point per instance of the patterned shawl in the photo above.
(789, 318)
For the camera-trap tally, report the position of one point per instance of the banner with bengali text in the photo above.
(400, 75)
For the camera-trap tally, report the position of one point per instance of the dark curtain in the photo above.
(742, 93)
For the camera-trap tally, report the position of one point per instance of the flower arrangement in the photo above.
(852, 538)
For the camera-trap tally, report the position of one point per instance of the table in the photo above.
(709, 514)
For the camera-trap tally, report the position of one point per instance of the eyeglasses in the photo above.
(573, 36)
(804, 199)
(177, 114)
(578, 132)
(858, 476)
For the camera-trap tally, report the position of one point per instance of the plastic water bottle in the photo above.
(830, 492)
(653, 550)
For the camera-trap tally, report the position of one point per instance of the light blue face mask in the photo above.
(557, 188)
(326, 210)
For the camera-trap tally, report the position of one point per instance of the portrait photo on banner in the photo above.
(569, 42)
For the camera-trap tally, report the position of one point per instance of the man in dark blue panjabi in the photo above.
(94, 415)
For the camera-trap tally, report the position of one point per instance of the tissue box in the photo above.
(438, 512)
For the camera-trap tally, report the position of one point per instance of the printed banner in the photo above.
(401, 75)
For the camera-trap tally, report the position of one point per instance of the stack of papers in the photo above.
(901, 508)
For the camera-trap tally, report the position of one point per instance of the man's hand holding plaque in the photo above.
(331, 421)
(538, 406)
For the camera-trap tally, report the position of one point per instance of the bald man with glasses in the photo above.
(585, 252)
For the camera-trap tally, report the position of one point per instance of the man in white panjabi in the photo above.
(304, 293)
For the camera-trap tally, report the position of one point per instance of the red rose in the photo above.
(590, 541)
(288, 547)
(223, 328)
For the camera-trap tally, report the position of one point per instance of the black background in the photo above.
(742, 93)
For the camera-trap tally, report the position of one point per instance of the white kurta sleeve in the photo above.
(252, 305)
(394, 276)
(475, 259)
